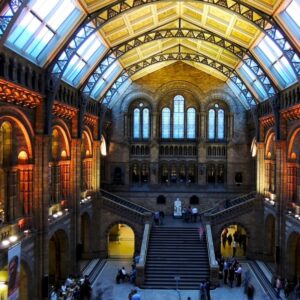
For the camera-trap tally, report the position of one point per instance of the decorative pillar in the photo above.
(281, 197)
(74, 201)
(260, 168)
(40, 209)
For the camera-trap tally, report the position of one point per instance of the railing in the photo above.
(229, 203)
(126, 203)
(235, 206)
(213, 264)
(140, 267)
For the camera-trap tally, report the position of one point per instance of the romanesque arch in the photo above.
(269, 244)
(293, 256)
(59, 256)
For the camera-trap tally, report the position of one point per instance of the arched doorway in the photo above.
(121, 241)
(293, 256)
(25, 280)
(234, 236)
(85, 232)
(58, 256)
(269, 243)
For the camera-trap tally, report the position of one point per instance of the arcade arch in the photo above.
(58, 256)
(121, 241)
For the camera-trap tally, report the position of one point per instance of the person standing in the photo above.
(202, 291)
(231, 275)
(278, 287)
(161, 217)
(207, 289)
(238, 274)
(250, 291)
(234, 247)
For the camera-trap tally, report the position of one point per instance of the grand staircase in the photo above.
(176, 258)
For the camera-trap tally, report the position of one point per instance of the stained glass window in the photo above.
(166, 123)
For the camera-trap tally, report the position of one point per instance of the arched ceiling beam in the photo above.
(178, 56)
(101, 17)
(202, 34)
(6, 22)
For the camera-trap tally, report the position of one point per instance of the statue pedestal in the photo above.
(177, 209)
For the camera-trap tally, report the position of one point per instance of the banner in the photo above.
(14, 262)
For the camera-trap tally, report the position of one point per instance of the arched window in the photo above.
(191, 123)
(166, 122)
(221, 132)
(211, 124)
(216, 123)
(136, 123)
(178, 117)
(141, 122)
(146, 123)
(5, 143)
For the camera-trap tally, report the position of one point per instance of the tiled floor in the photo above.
(105, 283)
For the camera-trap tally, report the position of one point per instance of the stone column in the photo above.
(42, 148)
(281, 197)
(260, 168)
(155, 131)
(74, 201)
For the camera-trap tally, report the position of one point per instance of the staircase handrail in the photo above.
(228, 213)
(213, 264)
(125, 203)
(141, 265)
(228, 203)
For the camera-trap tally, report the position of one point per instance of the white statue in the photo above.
(177, 208)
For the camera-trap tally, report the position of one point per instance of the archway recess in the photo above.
(121, 241)
(234, 236)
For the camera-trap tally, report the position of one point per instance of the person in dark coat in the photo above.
(231, 275)
(250, 291)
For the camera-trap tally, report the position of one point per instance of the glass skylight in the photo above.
(252, 80)
(105, 80)
(293, 11)
(276, 62)
(291, 18)
(85, 57)
(238, 93)
(40, 27)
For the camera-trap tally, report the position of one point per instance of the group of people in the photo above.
(190, 214)
(288, 288)
(204, 290)
(73, 288)
(232, 271)
(123, 276)
(159, 217)
(236, 240)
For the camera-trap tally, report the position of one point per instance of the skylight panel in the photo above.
(84, 59)
(291, 19)
(237, 92)
(104, 81)
(276, 62)
(40, 26)
(293, 11)
(252, 80)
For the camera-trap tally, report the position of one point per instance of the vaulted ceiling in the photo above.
(220, 37)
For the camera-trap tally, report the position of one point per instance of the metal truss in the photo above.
(179, 56)
(5, 21)
(99, 18)
(201, 34)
